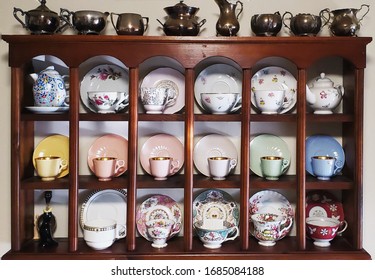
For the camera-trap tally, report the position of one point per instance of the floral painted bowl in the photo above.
(108, 101)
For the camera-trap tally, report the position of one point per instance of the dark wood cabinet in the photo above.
(189, 52)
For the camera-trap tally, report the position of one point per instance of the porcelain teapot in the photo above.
(49, 88)
(323, 96)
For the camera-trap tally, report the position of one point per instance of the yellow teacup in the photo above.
(49, 167)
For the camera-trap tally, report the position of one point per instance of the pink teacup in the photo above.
(105, 168)
(162, 167)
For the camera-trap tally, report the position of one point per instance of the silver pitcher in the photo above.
(228, 24)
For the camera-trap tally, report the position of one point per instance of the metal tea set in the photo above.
(182, 21)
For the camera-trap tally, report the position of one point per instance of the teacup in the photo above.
(220, 167)
(324, 167)
(159, 230)
(162, 167)
(48, 168)
(273, 166)
(221, 103)
(99, 234)
(108, 101)
(269, 228)
(323, 230)
(105, 168)
(269, 101)
(213, 238)
(155, 100)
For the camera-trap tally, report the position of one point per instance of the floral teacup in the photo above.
(159, 230)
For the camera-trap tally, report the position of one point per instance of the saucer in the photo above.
(47, 110)
(110, 145)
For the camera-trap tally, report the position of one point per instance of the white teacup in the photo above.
(48, 168)
(269, 227)
(162, 167)
(221, 103)
(269, 101)
(105, 168)
(108, 101)
(220, 167)
(99, 234)
(273, 166)
(324, 167)
(159, 231)
(155, 100)
(213, 238)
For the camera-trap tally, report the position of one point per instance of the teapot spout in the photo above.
(310, 97)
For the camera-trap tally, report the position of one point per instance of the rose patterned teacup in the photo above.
(158, 231)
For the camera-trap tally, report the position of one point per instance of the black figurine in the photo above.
(46, 224)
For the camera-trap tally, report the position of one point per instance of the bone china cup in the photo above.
(162, 167)
(221, 103)
(159, 230)
(324, 167)
(107, 167)
(323, 230)
(108, 101)
(220, 167)
(213, 238)
(273, 167)
(48, 168)
(269, 227)
(155, 100)
(99, 234)
(269, 101)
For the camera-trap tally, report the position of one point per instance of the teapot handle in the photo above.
(241, 9)
(368, 9)
(283, 19)
(113, 21)
(65, 16)
(145, 22)
(15, 11)
(322, 13)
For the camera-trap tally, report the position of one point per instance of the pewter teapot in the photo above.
(40, 20)
(228, 24)
(323, 96)
(182, 20)
(345, 21)
(49, 88)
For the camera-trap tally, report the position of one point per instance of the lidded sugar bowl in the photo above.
(323, 96)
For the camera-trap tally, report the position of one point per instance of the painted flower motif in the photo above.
(275, 79)
(207, 99)
(271, 94)
(333, 207)
(283, 73)
(324, 231)
(106, 73)
(261, 81)
(323, 95)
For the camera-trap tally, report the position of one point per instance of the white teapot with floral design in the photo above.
(323, 96)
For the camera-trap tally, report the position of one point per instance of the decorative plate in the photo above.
(110, 145)
(324, 145)
(54, 145)
(158, 207)
(212, 145)
(47, 110)
(271, 202)
(106, 77)
(215, 204)
(323, 204)
(168, 78)
(220, 78)
(161, 145)
(267, 145)
(106, 204)
(274, 77)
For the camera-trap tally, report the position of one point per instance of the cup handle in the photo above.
(63, 165)
(120, 231)
(18, 10)
(325, 19)
(345, 223)
(283, 19)
(145, 22)
(232, 163)
(368, 9)
(284, 165)
(288, 227)
(171, 97)
(119, 166)
(238, 104)
(175, 165)
(338, 167)
(122, 103)
(235, 229)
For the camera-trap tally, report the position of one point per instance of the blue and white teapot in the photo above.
(49, 88)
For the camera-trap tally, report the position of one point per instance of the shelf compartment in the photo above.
(284, 182)
(335, 183)
(330, 118)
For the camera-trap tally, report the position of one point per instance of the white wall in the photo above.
(208, 10)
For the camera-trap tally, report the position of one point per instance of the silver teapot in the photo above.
(345, 21)
(182, 20)
(40, 20)
(304, 24)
